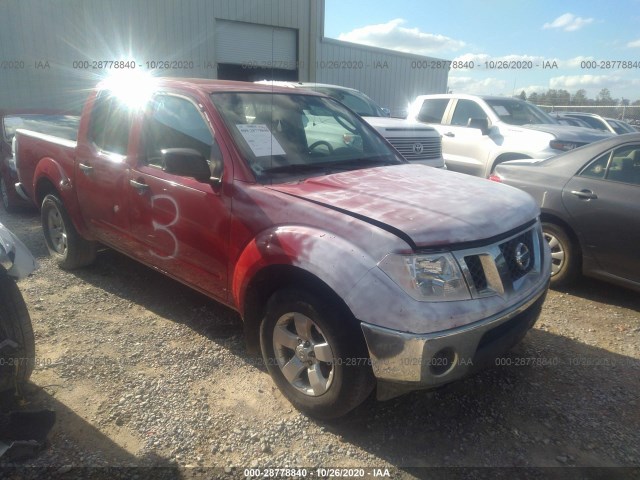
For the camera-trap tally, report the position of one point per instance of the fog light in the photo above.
(443, 361)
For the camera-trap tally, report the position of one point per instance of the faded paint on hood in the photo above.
(433, 207)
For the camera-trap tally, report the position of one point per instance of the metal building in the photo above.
(51, 53)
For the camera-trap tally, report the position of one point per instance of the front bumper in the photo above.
(403, 362)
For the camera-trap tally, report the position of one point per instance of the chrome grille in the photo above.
(417, 148)
(505, 266)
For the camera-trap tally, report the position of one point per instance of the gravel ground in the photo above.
(142, 371)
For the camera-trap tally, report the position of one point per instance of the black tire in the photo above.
(17, 343)
(565, 255)
(64, 242)
(7, 202)
(335, 354)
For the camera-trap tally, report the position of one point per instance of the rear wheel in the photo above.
(565, 256)
(64, 242)
(315, 354)
(17, 343)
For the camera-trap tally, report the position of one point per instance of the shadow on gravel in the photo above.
(606, 293)
(553, 402)
(82, 441)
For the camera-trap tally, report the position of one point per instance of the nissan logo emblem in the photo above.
(417, 148)
(522, 256)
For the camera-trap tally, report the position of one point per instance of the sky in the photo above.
(594, 44)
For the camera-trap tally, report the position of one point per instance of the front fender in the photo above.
(337, 262)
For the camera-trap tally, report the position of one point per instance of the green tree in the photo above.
(580, 97)
(523, 95)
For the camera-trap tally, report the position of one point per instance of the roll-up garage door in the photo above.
(258, 45)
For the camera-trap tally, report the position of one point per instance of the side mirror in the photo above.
(480, 123)
(186, 162)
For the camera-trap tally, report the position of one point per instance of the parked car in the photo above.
(599, 123)
(17, 343)
(479, 132)
(350, 269)
(575, 122)
(36, 120)
(415, 142)
(590, 203)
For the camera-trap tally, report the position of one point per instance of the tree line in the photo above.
(552, 97)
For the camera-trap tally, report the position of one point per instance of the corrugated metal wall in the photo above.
(43, 44)
(391, 79)
(55, 34)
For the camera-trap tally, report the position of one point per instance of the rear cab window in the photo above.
(432, 110)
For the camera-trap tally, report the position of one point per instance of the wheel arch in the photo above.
(272, 278)
(549, 217)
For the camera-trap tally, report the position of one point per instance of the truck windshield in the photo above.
(64, 126)
(517, 112)
(285, 135)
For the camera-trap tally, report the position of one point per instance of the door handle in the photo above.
(86, 169)
(141, 187)
(450, 134)
(584, 194)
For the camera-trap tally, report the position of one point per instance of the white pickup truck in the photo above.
(416, 142)
(479, 132)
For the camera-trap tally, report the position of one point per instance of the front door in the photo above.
(604, 201)
(180, 224)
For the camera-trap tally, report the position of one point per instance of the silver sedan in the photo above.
(590, 203)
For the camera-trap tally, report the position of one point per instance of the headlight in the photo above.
(429, 277)
(562, 145)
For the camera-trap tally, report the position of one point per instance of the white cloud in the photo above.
(486, 86)
(568, 22)
(396, 37)
(575, 62)
(573, 82)
(619, 83)
(634, 44)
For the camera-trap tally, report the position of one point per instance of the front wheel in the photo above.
(315, 354)
(17, 343)
(565, 256)
(64, 242)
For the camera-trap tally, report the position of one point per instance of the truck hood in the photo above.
(570, 133)
(395, 124)
(426, 206)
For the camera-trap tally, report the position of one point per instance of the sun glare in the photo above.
(133, 88)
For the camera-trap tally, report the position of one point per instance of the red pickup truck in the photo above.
(350, 268)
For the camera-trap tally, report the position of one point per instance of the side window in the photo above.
(625, 165)
(174, 122)
(432, 110)
(465, 110)
(110, 124)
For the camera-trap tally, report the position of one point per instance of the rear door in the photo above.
(465, 148)
(604, 201)
(101, 170)
(181, 225)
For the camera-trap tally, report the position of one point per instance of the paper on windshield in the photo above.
(501, 111)
(260, 139)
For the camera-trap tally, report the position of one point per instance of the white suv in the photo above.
(413, 140)
(478, 132)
